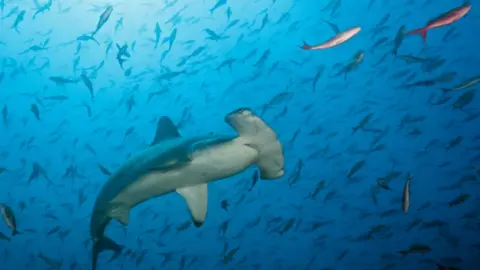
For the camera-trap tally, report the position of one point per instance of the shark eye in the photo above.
(243, 111)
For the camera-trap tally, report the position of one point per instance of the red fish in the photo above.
(442, 20)
(441, 267)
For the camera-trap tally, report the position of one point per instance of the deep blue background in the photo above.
(201, 97)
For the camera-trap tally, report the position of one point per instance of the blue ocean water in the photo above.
(356, 123)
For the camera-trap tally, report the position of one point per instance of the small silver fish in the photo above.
(406, 194)
(4, 237)
(9, 218)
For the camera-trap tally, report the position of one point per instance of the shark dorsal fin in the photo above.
(166, 130)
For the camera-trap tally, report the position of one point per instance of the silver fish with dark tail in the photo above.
(9, 217)
(406, 194)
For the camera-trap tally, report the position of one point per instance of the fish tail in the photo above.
(264, 110)
(305, 46)
(121, 61)
(16, 233)
(96, 41)
(102, 244)
(421, 31)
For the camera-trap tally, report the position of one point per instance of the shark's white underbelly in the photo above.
(207, 165)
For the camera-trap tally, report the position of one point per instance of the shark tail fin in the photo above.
(102, 244)
(258, 135)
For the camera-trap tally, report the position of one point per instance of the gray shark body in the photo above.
(184, 165)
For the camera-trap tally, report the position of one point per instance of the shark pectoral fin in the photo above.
(120, 213)
(196, 198)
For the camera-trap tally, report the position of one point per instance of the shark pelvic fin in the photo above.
(196, 198)
(166, 130)
(121, 214)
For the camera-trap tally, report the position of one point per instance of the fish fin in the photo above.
(121, 61)
(96, 41)
(259, 136)
(305, 46)
(196, 198)
(422, 32)
(403, 253)
(102, 244)
(442, 267)
(16, 233)
(445, 90)
(166, 130)
(120, 213)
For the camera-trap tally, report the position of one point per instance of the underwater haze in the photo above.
(374, 103)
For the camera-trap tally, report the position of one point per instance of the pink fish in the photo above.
(442, 20)
(336, 40)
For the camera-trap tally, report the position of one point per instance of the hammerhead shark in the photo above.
(184, 165)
